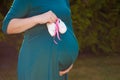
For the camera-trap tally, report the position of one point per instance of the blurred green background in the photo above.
(96, 24)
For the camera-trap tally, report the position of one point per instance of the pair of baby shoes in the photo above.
(58, 26)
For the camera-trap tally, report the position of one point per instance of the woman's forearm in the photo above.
(19, 25)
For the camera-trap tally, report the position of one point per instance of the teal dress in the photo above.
(39, 57)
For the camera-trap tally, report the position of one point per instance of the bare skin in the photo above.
(18, 25)
(61, 73)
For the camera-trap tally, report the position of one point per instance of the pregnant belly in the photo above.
(68, 50)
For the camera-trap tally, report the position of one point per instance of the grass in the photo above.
(85, 68)
(96, 68)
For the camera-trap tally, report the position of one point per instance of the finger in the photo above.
(51, 19)
(53, 16)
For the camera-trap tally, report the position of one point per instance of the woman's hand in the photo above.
(47, 17)
(61, 73)
(19, 25)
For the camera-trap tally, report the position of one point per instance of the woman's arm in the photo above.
(16, 20)
(19, 25)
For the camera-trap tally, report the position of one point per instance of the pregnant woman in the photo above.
(40, 58)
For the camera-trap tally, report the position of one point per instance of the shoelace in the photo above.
(57, 32)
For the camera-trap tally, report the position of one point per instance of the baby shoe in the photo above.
(51, 28)
(62, 27)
